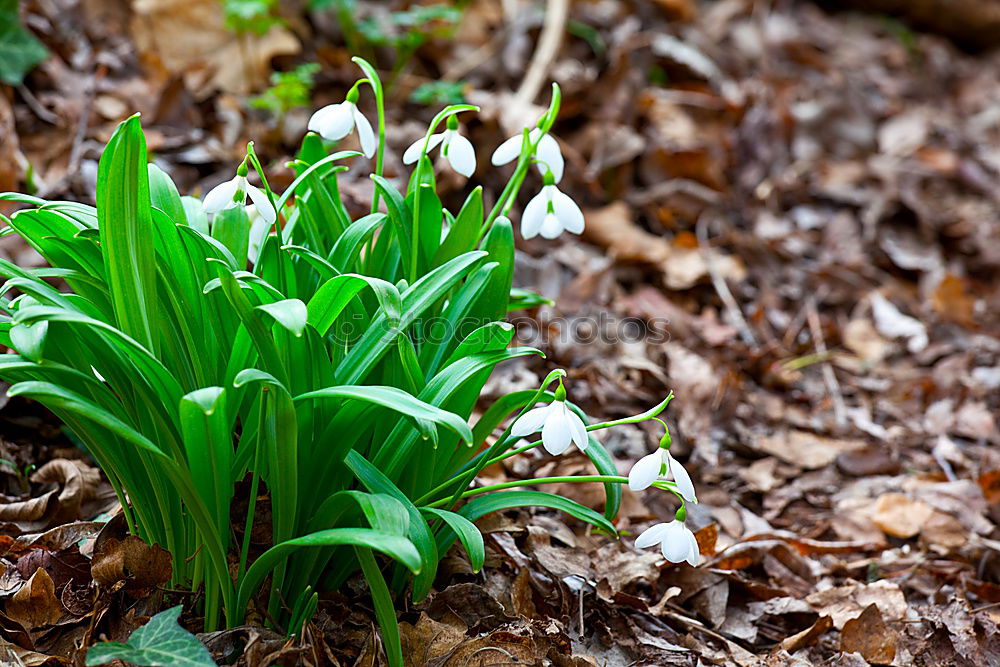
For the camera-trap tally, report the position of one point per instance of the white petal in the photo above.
(645, 471)
(530, 422)
(461, 155)
(550, 157)
(333, 122)
(365, 133)
(551, 226)
(675, 545)
(534, 215)
(507, 151)
(221, 196)
(650, 536)
(694, 555)
(569, 213)
(682, 478)
(578, 428)
(412, 154)
(318, 116)
(262, 203)
(556, 434)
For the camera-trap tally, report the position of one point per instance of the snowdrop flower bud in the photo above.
(547, 152)
(454, 147)
(234, 193)
(677, 542)
(559, 425)
(335, 121)
(660, 464)
(550, 212)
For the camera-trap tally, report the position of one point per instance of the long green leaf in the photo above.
(123, 212)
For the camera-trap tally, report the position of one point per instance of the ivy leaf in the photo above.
(19, 49)
(161, 642)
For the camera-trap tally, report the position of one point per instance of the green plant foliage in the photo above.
(403, 31)
(439, 93)
(161, 642)
(289, 90)
(335, 368)
(257, 16)
(20, 51)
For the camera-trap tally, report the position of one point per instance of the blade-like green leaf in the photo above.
(394, 399)
(396, 547)
(470, 536)
(126, 226)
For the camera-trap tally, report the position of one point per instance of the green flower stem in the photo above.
(509, 193)
(512, 453)
(447, 112)
(252, 154)
(570, 479)
(376, 84)
(645, 416)
(462, 479)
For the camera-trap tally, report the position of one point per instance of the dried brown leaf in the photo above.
(139, 566)
(809, 636)
(35, 605)
(899, 515)
(843, 603)
(869, 635)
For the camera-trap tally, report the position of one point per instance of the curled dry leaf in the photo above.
(139, 566)
(429, 640)
(190, 38)
(35, 605)
(77, 484)
(869, 635)
(807, 637)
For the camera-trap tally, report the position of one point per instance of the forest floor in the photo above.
(798, 213)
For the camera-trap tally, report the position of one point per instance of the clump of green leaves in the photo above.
(20, 51)
(439, 93)
(403, 30)
(253, 16)
(289, 90)
(333, 363)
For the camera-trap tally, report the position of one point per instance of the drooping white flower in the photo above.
(234, 193)
(335, 121)
(659, 464)
(547, 153)
(677, 542)
(454, 147)
(559, 425)
(550, 212)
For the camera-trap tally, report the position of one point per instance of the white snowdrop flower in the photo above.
(454, 147)
(659, 464)
(335, 121)
(559, 425)
(550, 212)
(234, 193)
(547, 152)
(677, 542)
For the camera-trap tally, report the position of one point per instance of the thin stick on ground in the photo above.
(719, 283)
(553, 29)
